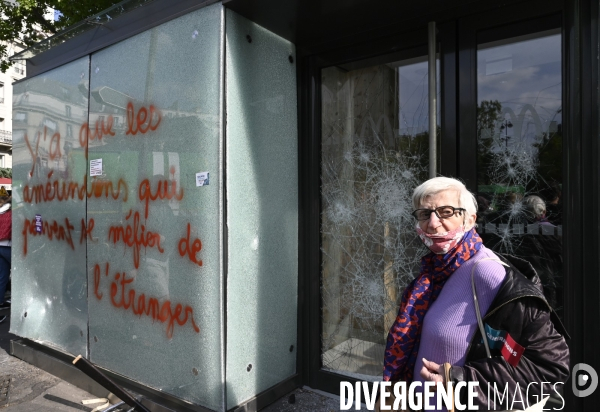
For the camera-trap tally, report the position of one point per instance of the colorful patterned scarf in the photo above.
(405, 334)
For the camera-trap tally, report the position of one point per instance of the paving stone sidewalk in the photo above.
(30, 388)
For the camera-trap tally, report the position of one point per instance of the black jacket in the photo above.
(520, 309)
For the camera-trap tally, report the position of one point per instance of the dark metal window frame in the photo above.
(387, 49)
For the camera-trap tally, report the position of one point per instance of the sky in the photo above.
(525, 77)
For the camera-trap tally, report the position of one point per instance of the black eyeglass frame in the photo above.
(454, 210)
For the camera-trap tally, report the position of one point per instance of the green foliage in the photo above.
(550, 156)
(5, 172)
(488, 115)
(23, 19)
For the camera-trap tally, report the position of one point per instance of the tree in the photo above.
(550, 156)
(488, 115)
(24, 22)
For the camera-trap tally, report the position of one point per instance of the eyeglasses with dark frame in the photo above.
(442, 212)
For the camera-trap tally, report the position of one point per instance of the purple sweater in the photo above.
(451, 322)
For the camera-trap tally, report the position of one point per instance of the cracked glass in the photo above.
(154, 215)
(375, 128)
(49, 283)
(519, 153)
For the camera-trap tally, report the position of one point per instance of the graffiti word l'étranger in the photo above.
(122, 297)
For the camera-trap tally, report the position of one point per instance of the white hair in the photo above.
(436, 185)
(536, 206)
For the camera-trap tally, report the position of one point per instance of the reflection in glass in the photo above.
(154, 122)
(374, 152)
(49, 283)
(519, 153)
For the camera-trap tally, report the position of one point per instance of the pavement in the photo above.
(26, 388)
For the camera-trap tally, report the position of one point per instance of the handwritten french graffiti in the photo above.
(86, 134)
(142, 121)
(134, 235)
(86, 231)
(53, 230)
(62, 190)
(53, 151)
(123, 296)
(134, 231)
(57, 230)
(190, 248)
(165, 189)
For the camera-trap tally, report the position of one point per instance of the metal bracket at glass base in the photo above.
(93, 372)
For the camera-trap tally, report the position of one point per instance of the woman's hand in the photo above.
(431, 371)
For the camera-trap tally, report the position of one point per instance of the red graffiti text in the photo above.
(190, 248)
(163, 191)
(135, 236)
(97, 133)
(122, 295)
(142, 121)
(86, 230)
(53, 151)
(53, 230)
(63, 190)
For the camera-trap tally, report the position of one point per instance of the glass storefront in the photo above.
(519, 153)
(374, 151)
(276, 250)
(375, 148)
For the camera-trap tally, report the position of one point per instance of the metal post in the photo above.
(432, 100)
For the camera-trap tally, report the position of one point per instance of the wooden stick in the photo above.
(96, 374)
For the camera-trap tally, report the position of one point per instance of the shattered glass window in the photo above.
(519, 153)
(374, 153)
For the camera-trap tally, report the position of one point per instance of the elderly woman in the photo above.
(437, 323)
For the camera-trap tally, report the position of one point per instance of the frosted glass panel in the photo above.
(262, 209)
(49, 286)
(155, 251)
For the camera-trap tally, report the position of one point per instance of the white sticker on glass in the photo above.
(96, 167)
(202, 179)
